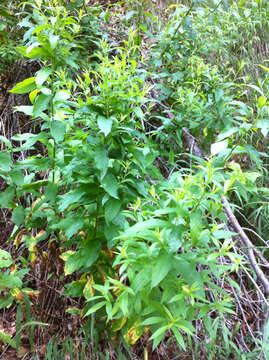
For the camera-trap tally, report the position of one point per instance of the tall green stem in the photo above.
(52, 117)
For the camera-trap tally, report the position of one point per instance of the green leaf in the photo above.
(112, 208)
(6, 142)
(264, 67)
(70, 225)
(101, 160)
(223, 234)
(196, 226)
(6, 301)
(61, 95)
(111, 232)
(40, 28)
(130, 14)
(7, 339)
(69, 198)
(153, 320)
(17, 177)
(45, 91)
(33, 94)
(53, 40)
(35, 185)
(218, 147)
(158, 335)
(18, 215)
(263, 125)
(104, 124)
(179, 337)
(42, 75)
(24, 87)
(187, 270)
(51, 192)
(23, 137)
(144, 225)
(6, 197)
(10, 281)
(73, 311)
(139, 113)
(262, 101)
(58, 130)
(95, 307)
(5, 160)
(186, 326)
(75, 288)
(5, 259)
(110, 185)
(142, 279)
(83, 258)
(161, 268)
(227, 133)
(34, 53)
(41, 104)
(26, 109)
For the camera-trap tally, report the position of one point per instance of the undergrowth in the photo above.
(108, 208)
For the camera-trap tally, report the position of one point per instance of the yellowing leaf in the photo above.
(134, 333)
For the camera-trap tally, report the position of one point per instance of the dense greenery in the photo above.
(105, 178)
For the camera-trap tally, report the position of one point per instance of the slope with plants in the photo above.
(143, 125)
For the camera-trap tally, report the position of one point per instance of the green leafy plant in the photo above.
(159, 285)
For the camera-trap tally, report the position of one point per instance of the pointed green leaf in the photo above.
(53, 39)
(34, 53)
(218, 147)
(26, 109)
(5, 259)
(61, 95)
(158, 335)
(25, 86)
(263, 125)
(10, 281)
(75, 288)
(41, 104)
(83, 258)
(7, 339)
(69, 198)
(104, 124)
(42, 75)
(179, 338)
(5, 160)
(6, 301)
(112, 208)
(69, 225)
(51, 192)
(142, 279)
(139, 113)
(58, 130)
(18, 215)
(187, 270)
(6, 197)
(110, 185)
(101, 160)
(95, 307)
(17, 177)
(6, 142)
(161, 268)
(153, 320)
(196, 226)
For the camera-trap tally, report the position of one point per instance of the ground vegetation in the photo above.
(134, 179)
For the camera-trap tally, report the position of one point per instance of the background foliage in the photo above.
(108, 207)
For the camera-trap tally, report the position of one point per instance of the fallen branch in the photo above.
(233, 221)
